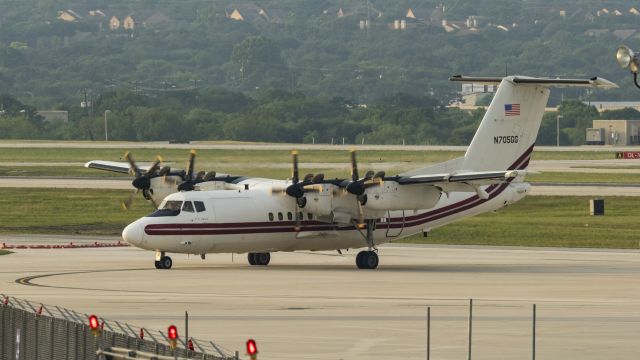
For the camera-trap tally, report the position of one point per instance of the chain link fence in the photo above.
(53, 333)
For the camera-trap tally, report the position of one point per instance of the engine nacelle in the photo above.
(392, 196)
(321, 202)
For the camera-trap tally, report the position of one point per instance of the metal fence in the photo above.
(51, 333)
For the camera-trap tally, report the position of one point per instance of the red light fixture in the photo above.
(172, 331)
(252, 349)
(93, 322)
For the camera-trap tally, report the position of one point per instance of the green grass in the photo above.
(179, 156)
(534, 221)
(5, 252)
(583, 177)
(67, 211)
(231, 156)
(547, 221)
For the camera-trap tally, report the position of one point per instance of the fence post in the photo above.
(52, 322)
(470, 328)
(533, 334)
(428, 332)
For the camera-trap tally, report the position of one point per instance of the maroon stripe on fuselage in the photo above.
(290, 226)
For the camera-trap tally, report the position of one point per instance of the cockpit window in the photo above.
(170, 208)
(199, 206)
(172, 205)
(188, 206)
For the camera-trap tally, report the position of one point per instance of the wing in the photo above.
(119, 167)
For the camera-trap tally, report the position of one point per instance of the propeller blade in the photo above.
(210, 176)
(164, 171)
(318, 178)
(154, 167)
(278, 191)
(127, 203)
(133, 168)
(369, 175)
(191, 165)
(354, 166)
(294, 172)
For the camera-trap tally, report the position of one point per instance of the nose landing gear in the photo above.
(163, 262)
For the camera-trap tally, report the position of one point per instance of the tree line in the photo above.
(278, 116)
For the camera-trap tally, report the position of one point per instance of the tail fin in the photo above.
(505, 138)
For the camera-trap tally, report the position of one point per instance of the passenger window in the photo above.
(309, 216)
(187, 206)
(199, 206)
(280, 216)
(300, 216)
(289, 216)
(270, 216)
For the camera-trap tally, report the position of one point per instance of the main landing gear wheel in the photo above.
(165, 263)
(259, 258)
(367, 260)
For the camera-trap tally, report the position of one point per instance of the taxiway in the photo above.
(319, 306)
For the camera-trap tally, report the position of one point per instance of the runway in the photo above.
(319, 306)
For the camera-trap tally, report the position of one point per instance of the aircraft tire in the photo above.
(166, 263)
(157, 264)
(252, 258)
(262, 259)
(367, 260)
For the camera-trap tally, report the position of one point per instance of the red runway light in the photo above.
(252, 348)
(173, 332)
(93, 322)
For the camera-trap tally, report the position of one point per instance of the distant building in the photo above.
(129, 23)
(235, 15)
(618, 132)
(68, 16)
(114, 23)
(615, 105)
(54, 115)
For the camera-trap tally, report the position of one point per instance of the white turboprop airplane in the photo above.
(233, 214)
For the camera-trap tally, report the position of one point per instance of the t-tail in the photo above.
(506, 136)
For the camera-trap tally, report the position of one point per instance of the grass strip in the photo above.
(556, 221)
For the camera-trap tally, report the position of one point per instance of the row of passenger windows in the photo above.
(290, 216)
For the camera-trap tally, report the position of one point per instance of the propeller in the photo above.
(142, 180)
(297, 188)
(188, 184)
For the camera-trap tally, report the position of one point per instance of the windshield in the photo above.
(170, 208)
(172, 205)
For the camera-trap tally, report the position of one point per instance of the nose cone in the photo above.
(133, 234)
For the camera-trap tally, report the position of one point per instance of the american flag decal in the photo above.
(511, 109)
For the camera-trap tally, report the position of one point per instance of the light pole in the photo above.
(558, 129)
(106, 130)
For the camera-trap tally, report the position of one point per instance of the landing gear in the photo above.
(259, 258)
(162, 261)
(368, 259)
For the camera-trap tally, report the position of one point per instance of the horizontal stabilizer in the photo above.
(594, 82)
(484, 177)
